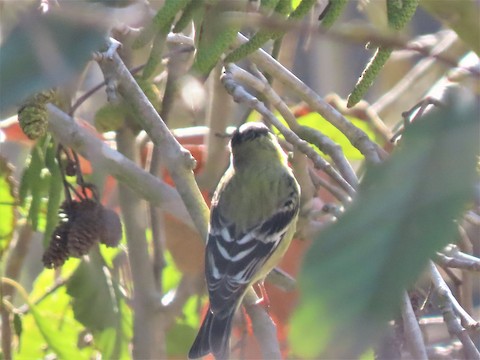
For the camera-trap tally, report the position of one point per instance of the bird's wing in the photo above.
(232, 261)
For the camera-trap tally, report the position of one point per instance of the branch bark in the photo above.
(148, 187)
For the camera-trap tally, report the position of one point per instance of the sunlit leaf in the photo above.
(49, 326)
(356, 270)
(98, 304)
(315, 121)
(179, 339)
(171, 275)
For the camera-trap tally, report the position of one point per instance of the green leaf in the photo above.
(354, 274)
(49, 326)
(179, 339)
(315, 121)
(170, 275)
(46, 50)
(99, 306)
(95, 301)
(7, 205)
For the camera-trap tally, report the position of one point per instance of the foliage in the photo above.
(356, 265)
(408, 205)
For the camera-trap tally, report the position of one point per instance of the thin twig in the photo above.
(356, 136)
(334, 190)
(178, 160)
(239, 94)
(452, 257)
(413, 334)
(311, 135)
(350, 32)
(449, 306)
(70, 134)
(133, 71)
(218, 115)
(144, 290)
(418, 80)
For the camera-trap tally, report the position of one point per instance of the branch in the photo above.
(218, 114)
(338, 193)
(148, 187)
(15, 260)
(311, 135)
(240, 95)
(452, 257)
(144, 288)
(356, 33)
(412, 330)
(418, 80)
(356, 136)
(449, 306)
(263, 328)
(178, 160)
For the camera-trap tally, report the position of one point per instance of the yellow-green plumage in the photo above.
(253, 216)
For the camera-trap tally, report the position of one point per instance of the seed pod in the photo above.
(57, 252)
(111, 231)
(32, 115)
(84, 228)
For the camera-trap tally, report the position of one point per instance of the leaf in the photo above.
(7, 205)
(356, 270)
(49, 326)
(179, 339)
(46, 50)
(315, 121)
(99, 306)
(95, 301)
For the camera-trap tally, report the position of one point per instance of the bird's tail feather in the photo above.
(213, 336)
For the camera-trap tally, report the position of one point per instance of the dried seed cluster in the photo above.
(82, 224)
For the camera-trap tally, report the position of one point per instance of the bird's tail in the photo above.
(213, 336)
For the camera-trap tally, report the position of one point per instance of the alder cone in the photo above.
(57, 252)
(85, 227)
(111, 231)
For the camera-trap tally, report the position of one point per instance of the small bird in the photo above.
(252, 221)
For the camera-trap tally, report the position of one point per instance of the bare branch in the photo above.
(70, 134)
(313, 136)
(218, 116)
(413, 333)
(356, 136)
(178, 160)
(145, 294)
(263, 328)
(239, 94)
(452, 257)
(449, 306)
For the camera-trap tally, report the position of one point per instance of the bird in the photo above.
(253, 217)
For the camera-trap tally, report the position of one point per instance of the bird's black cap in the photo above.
(248, 132)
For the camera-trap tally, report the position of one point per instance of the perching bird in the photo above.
(253, 216)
